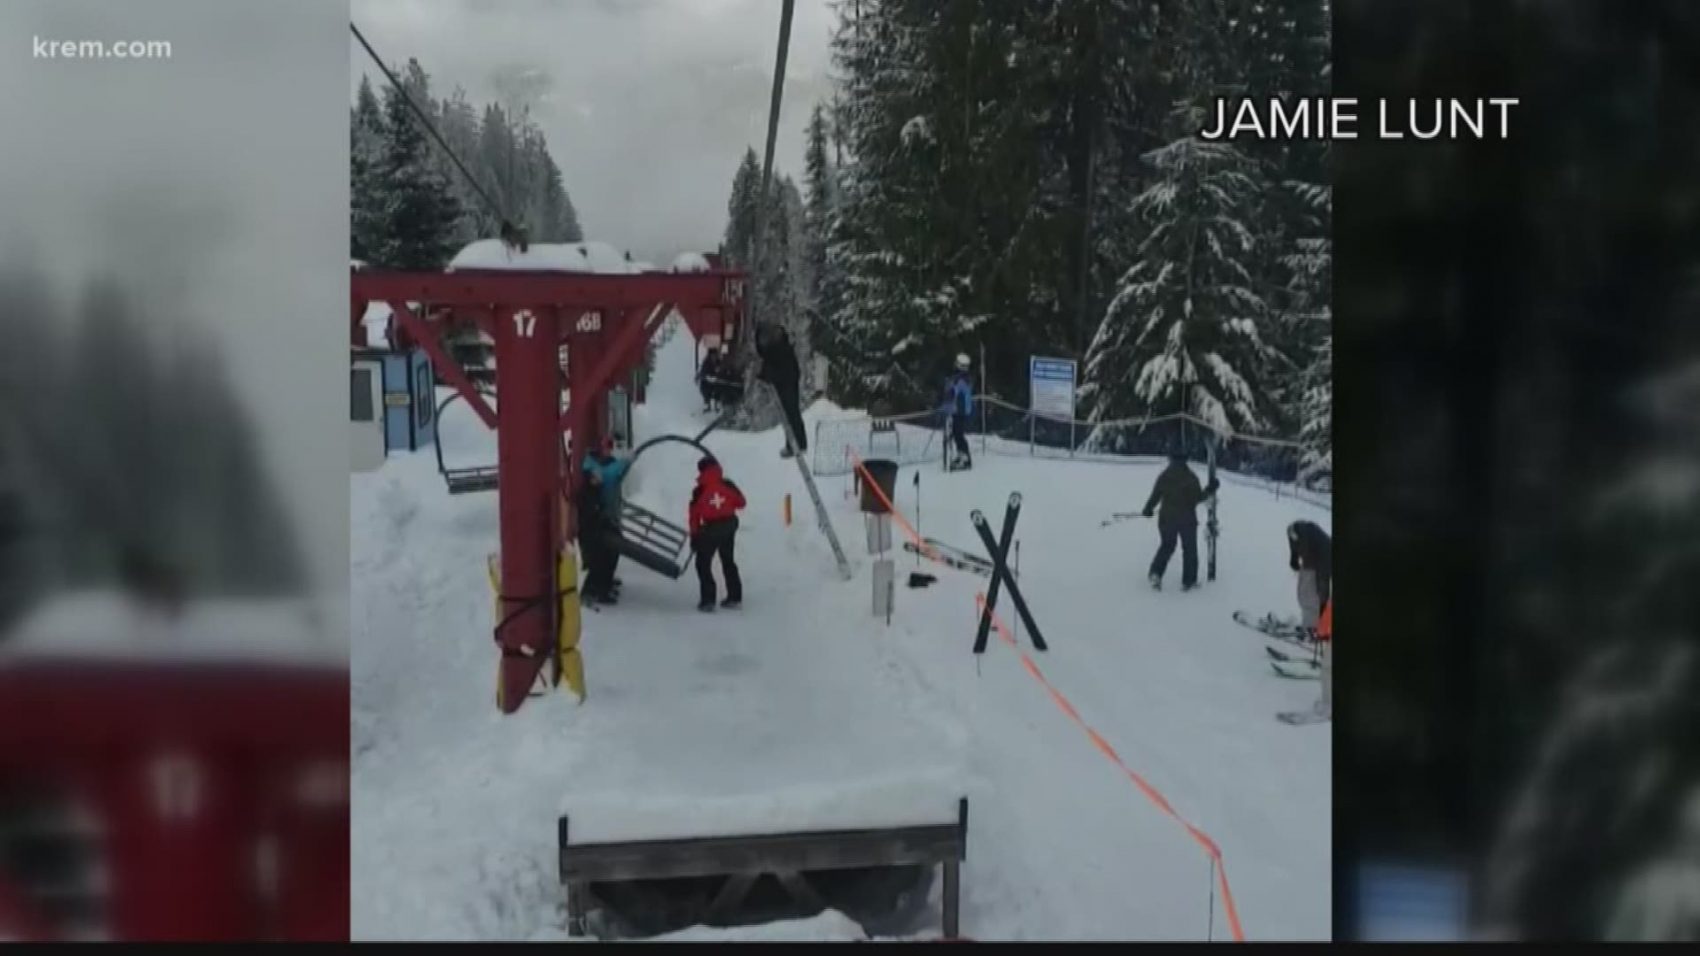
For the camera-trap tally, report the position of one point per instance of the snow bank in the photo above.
(356, 265)
(493, 254)
(827, 927)
(690, 262)
(114, 626)
(376, 322)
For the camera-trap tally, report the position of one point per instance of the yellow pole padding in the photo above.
(571, 662)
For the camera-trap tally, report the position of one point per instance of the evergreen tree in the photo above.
(741, 212)
(1310, 265)
(1184, 332)
(880, 241)
(791, 272)
(983, 192)
(457, 121)
(817, 216)
(157, 475)
(417, 199)
(496, 149)
(366, 146)
(818, 178)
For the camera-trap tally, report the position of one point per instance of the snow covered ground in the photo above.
(802, 709)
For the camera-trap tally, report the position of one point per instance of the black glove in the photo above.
(1148, 512)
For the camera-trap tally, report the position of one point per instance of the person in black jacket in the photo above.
(1178, 494)
(779, 368)
(708, 379)
(1309, 552)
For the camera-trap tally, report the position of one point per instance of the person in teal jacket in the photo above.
(599, 522)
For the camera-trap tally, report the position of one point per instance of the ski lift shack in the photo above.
(570, 324)
(406, 381)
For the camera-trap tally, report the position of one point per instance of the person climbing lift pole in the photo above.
(779, 368)
(713, 523)
(1178, 493)
(958, 405)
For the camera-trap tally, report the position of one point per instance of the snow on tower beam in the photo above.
(604, 320)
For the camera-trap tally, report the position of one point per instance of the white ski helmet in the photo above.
(962, 361)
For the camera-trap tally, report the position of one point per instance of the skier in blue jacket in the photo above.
(958, 405)
(599, 522)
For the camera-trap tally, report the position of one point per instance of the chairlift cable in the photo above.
(511, 233)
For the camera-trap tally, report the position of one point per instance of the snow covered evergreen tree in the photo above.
(457, 121)
(155, 480)
(820, 203)
(1311, 315)
(880, 242)
(792, 273)
(366, 146)
(496, 158)
(986, 197)
(417, 200)
(741, 211)
(1184, 332)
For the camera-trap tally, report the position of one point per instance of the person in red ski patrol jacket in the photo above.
(713, 523)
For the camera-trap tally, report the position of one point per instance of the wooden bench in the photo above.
(591, 872)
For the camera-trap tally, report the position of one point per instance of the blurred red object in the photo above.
(148, 801)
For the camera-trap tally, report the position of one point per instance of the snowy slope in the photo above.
(802, 706)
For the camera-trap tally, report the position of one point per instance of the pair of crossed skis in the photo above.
(999, 552)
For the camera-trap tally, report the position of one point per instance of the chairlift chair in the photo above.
(462, 481)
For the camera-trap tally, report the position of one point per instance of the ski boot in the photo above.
(732, 604)
(706, 606)
(1156, 582)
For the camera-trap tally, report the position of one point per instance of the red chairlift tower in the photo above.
(562, 340)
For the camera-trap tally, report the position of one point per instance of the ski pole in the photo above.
(917, 484)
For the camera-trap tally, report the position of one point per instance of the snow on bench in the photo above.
(765, 802)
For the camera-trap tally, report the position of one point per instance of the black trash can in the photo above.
(884, 473)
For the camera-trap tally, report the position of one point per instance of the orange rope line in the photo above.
(869, 482)
(1151, 793)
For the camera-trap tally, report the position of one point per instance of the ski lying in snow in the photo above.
(1295, 672)
(1270, 626)
(950, 559)
(953, 556)
(1301, 717)
(1286, 658)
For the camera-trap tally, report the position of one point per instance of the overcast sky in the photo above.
(647, 104)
